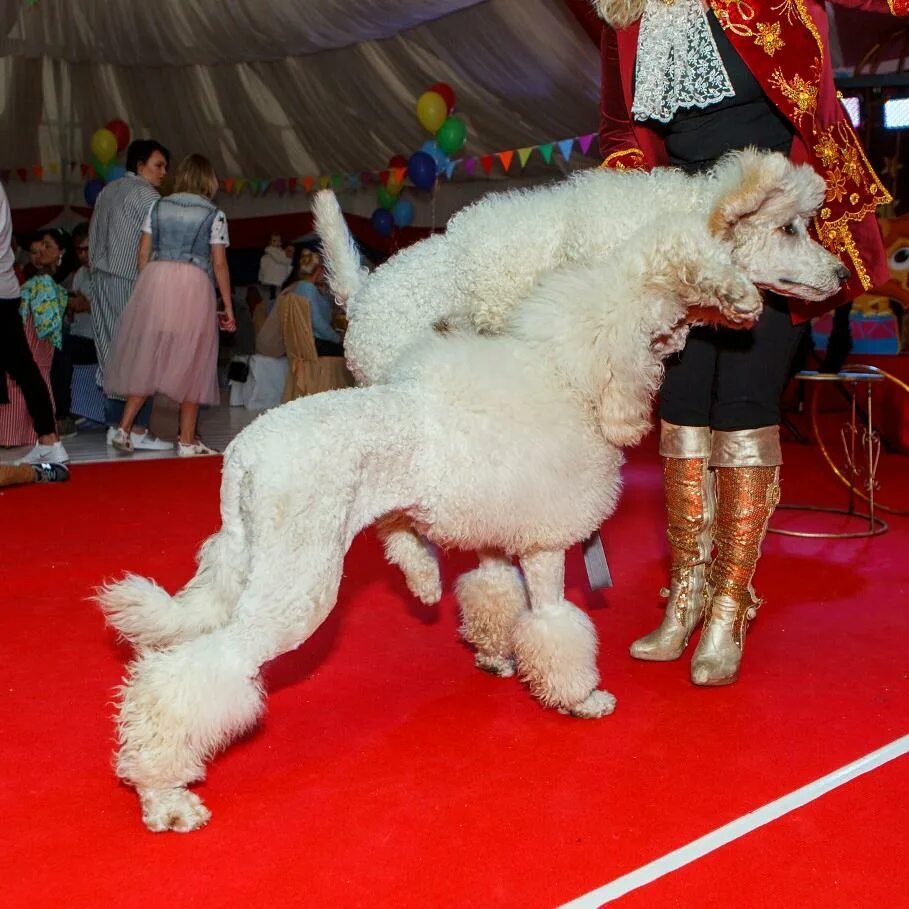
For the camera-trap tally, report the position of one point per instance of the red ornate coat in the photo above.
(785, 45)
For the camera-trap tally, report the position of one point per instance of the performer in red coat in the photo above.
(684, 82)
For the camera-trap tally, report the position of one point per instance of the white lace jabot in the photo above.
(678, 64)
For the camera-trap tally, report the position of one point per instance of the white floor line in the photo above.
(738, 828)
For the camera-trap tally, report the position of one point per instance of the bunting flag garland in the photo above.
(349, 182)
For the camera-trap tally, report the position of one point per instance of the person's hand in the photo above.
(226, 321)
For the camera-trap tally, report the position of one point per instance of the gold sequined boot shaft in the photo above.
(688, 488)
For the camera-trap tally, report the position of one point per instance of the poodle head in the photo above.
(763, 207)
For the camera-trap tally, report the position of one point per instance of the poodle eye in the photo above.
(790, 229)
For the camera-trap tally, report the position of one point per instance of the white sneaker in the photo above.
(145, 441)
(121, 441)
(141, 441)
(193, 451)
(46, 454)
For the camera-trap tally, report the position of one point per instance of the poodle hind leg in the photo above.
(492, 598)
(405, 548)
(181, 705)
(556, 645)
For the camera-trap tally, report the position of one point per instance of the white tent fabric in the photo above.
(270, 88)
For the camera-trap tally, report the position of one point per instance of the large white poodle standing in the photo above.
(506, 445)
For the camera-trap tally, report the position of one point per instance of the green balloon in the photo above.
(385, 198)
(100, 167)
(452, 135)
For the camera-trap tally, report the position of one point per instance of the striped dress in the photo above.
(113, 245)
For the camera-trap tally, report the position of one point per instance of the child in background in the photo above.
(275, 265)
(167, 338)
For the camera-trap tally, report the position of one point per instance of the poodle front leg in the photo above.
(492, 598)
(555, 643)
(416, 557)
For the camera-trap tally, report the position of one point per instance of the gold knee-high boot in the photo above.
(688, 487)
(746, 464)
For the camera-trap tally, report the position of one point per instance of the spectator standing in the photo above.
(116, 228)
(16, 358)
(167, 340)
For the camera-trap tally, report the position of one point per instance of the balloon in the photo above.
(431, 111)
(447, 93)
(402, 213)
(452, 135)
(397, 161)
(383, 222)
(384, 197)
(100, 169)
(121, 133)
(432, 149)
(104, 145)
(114, 172)
(92, 191)
(422, 170)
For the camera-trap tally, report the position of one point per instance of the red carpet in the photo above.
(389, 772)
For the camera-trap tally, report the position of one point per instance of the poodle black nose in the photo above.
(843, 273)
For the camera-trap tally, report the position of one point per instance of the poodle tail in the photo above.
(342, 258)
(147, 616)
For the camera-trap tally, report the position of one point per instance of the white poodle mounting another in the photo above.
(506, 445)
(492, 253)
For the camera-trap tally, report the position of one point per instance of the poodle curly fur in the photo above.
(508, 445)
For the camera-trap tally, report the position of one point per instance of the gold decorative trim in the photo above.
(634, 152)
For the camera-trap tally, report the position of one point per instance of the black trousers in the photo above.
(16, 360)
(76, 351)
(731, 379)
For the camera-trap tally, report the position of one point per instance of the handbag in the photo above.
(238, 371)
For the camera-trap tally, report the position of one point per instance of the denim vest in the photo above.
(181, 230)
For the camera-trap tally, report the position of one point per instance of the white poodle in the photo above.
(506, 445)
(757, 204)
(755, 207)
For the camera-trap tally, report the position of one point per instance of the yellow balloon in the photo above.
(432, 111)
(104, 145)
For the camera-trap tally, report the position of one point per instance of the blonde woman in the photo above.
(167, 339)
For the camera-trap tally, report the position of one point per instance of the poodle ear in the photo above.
(749, 181)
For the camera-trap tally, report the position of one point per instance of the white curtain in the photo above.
(270, 88)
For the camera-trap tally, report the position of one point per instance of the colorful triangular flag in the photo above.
(470, 165)
(324, 182)
(308, 183)
(450, 169)
(546, 151)
(565, 147)
(486, 163)
(584, 142)
(506, 157)
(228, 185)
(524, 154)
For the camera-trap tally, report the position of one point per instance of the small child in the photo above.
(275, 265)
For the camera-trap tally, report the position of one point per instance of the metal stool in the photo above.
(857, 441)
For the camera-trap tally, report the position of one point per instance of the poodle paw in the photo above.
(425, 585)
(595, 705)
(495, 665)
(172, 809)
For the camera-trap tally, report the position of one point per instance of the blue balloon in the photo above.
(114, 172)
(422, 170)
(383, 221)
(92, 191)
(432, 149)
(402, 213)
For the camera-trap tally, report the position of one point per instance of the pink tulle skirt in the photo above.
(167, 337)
